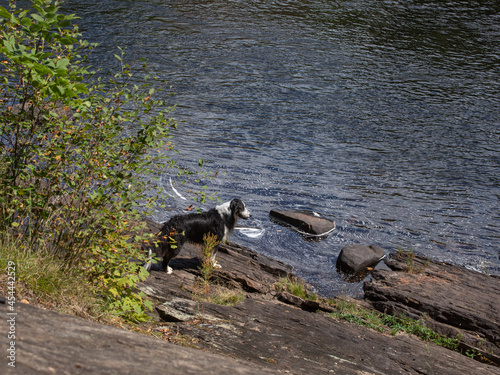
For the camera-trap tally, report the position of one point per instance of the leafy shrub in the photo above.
(74, 151)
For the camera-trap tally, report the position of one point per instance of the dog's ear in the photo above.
(232, 205)
(236, 206)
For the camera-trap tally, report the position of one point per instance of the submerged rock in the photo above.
(309, 224)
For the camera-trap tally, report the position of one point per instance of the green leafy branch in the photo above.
(74, 151)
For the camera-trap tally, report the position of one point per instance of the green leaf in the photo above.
(82, 88)
(8, 45)
(41, 69)
(36, 17)
(35, 28)
(4, 13)
(67, 41)
(26, 22)
(62, 63)
(64, 23)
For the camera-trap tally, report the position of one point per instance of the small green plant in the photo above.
(411, 261)
(208, 260)
(207, 290)
(350, 311)
(295, 287)
(207, 267)
(226, 297)
(408, 257)
(473, 354)
(217, 294)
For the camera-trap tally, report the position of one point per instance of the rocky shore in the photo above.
(268, 329)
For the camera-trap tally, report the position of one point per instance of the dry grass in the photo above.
(43, 280)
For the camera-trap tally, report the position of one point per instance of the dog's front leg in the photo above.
(213, 259)
(165, 267)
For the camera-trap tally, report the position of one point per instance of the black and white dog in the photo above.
(219, 221)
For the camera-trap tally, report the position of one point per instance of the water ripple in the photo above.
(382, 115)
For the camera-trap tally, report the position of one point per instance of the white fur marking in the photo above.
(169, 270)
(148, 265)
(224, 208)
(213, 259)
(245, 214)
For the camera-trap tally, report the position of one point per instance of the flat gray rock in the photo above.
(304, 223)
(51, 343)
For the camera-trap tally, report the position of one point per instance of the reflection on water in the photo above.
(381, 115)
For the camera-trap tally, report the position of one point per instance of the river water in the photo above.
(381, 115)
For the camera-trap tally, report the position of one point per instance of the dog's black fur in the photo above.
(219, 221)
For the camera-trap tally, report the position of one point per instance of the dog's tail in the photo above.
(149, 265)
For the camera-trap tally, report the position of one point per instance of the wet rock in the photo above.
(452, 300)
(306, 223)
(355, 258)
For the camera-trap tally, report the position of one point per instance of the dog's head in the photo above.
(238, 209)
(235, 208)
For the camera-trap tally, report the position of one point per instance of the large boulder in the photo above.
(355, 258)
(452, 300)
(308, 224)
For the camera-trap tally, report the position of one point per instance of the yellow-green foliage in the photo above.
(409, 258)
(224, 296)
(209, 292)
(207, 268)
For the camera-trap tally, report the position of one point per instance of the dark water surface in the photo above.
(382, 115)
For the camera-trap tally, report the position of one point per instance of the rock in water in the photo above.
(306, 223)
(355, 258)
